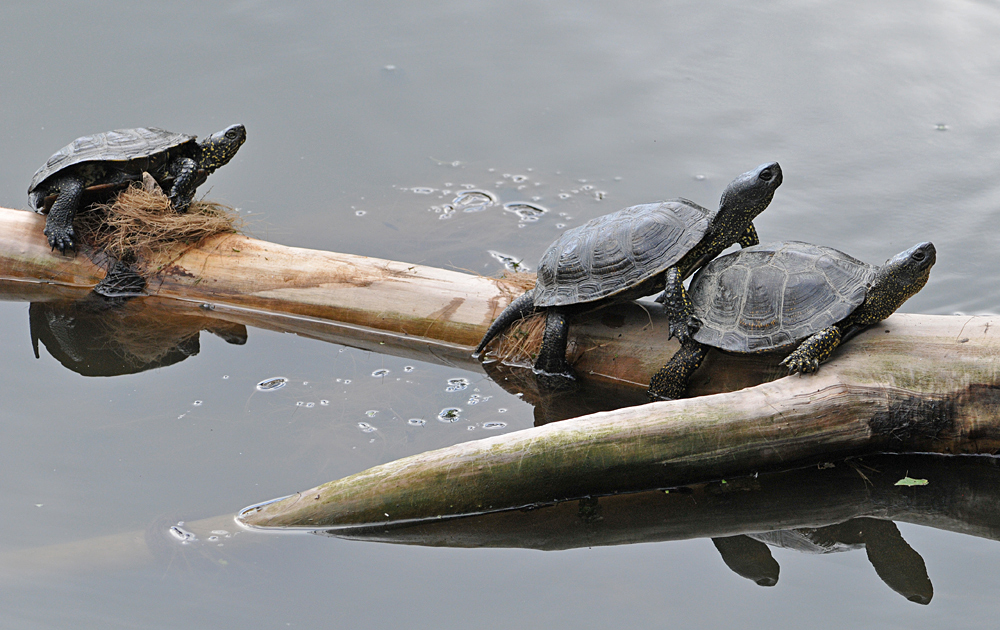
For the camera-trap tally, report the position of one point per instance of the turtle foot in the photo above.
(802, 363)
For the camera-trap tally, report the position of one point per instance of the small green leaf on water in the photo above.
(910, 481)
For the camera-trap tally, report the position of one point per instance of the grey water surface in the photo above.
(366, 121)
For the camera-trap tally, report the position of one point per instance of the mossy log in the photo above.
(915, 383)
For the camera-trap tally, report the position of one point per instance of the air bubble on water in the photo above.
(449, 414)
(509, 262)
(347, 381)
(474, 399)
(456, 384)
(271, 384)
(220, 532)
(380, 372)
(600, 194)
(182, 535)
(501, 410)
(213, 538)
(564, 195)
(494, 425)
(360, 213)
(526, 212)
(197, 403)
(408, 368)
(324, 403)
(417, 422)
(699, 177)
(587, 187)
(560, 226)
(371, 413)
(366, 428)
(310, 405)
(422, 190)
(299, 403)
(506, 176)
(618, 178)
(519, 178)
(225, 376)
(536, 198)
(471, 427)
(582, 181)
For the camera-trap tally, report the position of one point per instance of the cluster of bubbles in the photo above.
(456, 384)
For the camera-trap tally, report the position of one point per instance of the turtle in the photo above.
(785, 295)
(102, 162)
(635, 252)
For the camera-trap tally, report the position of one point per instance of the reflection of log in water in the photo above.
(818, 509)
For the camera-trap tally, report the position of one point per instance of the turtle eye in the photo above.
(766, 175)
(231, 134)
(919, 256)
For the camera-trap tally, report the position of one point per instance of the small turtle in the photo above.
(95, 164)
(635, 252)
(775, 297)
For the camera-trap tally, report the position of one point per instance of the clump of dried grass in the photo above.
(140, 223)
(518, 345)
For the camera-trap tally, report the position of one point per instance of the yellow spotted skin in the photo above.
(884, 290)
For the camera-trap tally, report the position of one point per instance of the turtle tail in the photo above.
(518, 309)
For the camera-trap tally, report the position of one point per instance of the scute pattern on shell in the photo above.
(119, 145)
(768, 297)
(615, 252)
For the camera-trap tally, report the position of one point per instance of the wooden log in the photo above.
(913, 383)
(391, 306)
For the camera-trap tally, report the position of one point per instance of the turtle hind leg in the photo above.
(813, 351)
(59, 221)
(551, 359)
(671, 381)
(678, 306)
(122, 280)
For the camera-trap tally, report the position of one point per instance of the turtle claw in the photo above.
(61, 239)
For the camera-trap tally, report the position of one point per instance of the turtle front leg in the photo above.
(671, 381)
(813, 351)
(678, 305)
(59, 221)
(552, 355)
(182, 192)
(749, 238)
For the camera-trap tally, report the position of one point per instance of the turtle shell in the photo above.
(120, 145)
(768, 297)
(618, 251)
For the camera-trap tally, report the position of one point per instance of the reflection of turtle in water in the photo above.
(109, 161)
(632, 253)
(98, 337)
(788, 295)
(898, 564)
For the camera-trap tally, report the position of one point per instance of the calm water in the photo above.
(364, 120)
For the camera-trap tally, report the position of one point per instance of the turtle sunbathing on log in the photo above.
(103, 162)
(780, 296)
(632, 253)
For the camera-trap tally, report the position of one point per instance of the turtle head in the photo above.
(899, 279)
(747, 195)
(220, 147)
